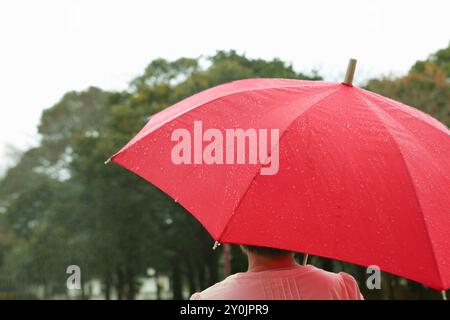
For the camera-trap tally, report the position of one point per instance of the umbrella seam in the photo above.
(260, 165)
(369, 104)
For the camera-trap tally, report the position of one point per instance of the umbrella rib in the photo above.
(393, 103)
(176, 116)
(371, 106)
(333, 90)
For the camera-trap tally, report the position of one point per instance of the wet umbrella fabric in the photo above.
(360, 178)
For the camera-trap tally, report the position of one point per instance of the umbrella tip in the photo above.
(107, 161)
(216, 244)
(350, 72)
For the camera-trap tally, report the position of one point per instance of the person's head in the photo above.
(265, 258)
(266, 252)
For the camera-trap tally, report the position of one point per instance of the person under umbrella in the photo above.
(331, 170)
(274, 274)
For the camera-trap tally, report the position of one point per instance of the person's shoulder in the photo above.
(345, 286)
(321, 274)
(350, 286)
(213, 291)
(196, 296)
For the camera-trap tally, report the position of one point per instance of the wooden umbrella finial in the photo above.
(350, 72)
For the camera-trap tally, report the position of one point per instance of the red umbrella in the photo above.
(311, 166)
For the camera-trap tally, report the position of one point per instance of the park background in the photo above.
(60, 205)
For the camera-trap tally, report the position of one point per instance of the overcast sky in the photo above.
(50, 47)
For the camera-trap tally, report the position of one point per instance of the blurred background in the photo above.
(78, 79)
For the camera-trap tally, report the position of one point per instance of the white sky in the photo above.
(50, 47)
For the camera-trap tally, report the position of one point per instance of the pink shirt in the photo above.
(298, 283)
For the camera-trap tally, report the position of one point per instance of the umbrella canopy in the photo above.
(328, 169)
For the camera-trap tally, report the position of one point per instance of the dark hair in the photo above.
(266, 251)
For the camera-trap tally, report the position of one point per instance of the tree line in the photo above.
(60, 205)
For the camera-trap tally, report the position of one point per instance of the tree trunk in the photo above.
(83, 290)
(158, 286)
(192, 283)
(213, 268)
(387, 286)
(120, 285)
(131, 285)
(226, 260)
(107, 286)
(201, 275)
(176, 282)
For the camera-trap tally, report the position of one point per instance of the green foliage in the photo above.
(426, 86)
(440, 59)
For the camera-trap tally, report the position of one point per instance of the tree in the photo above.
(426, 86)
